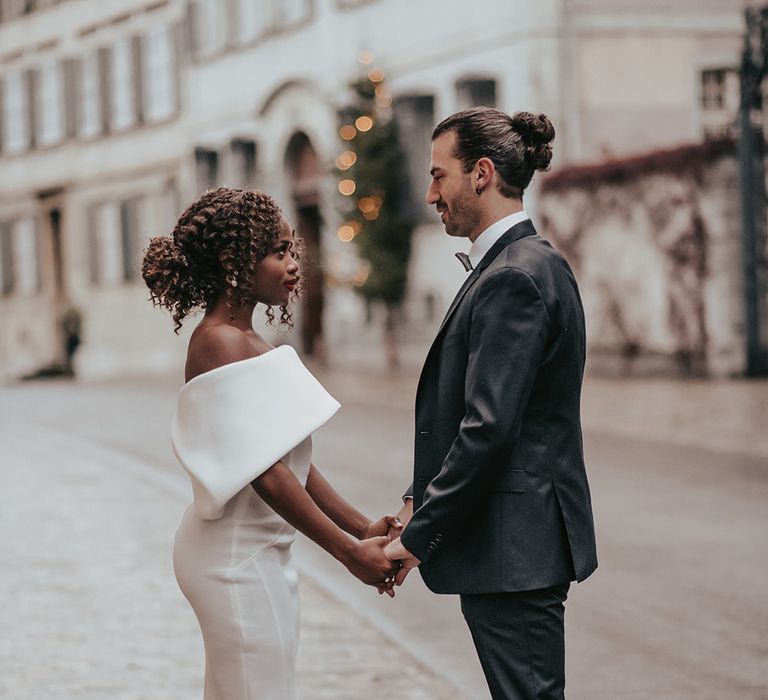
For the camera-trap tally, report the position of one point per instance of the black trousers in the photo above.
(520, 639)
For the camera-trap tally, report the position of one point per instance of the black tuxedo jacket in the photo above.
(501, 499)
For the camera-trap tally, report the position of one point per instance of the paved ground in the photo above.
(91, 610)
(676, 610)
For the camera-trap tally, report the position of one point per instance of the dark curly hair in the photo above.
(214, 248)
(518, 145)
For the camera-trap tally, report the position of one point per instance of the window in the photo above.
(713, 89)
(168, 206)
(123, 114)
(415, 120)
(26, 256)
(50, 104)
(351, 3)
(15, 113)
(253, 19)
(243, 162)
(719, 101)
(10, 9)
(159, 74)
(475, 93)
(90, 123)
(131, 233)
(206, 168)
(106, 247)
(6, 258)
(289, 12)
(210, 27)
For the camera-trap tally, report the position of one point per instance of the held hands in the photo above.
(384, 535)
(367, 562)
(396, 551)
(388, 525)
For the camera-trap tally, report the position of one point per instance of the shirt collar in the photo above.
(484, 242)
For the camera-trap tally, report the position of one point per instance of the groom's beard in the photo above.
(461, 213)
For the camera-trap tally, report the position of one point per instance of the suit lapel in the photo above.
(524, 228)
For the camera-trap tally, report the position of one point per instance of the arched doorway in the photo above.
(303, 168)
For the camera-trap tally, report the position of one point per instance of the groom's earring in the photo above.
(479, 190)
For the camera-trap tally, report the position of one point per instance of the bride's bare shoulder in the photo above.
(214, 345)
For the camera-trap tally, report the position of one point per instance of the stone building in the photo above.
(116, 113)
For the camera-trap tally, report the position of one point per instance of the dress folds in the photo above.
(234, 422)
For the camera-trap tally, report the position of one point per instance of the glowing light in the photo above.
(376, 75)
(347, 187)
(371, 215)
(366, 204)
(345, 233)
(356, 225)
(360, 277)
(346, 160)
(364, 123)
(366, 57)
(347, 132)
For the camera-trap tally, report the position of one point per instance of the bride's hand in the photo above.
(386, 526)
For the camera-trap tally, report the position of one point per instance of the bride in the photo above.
(242, 431)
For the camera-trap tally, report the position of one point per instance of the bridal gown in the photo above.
(232, 554)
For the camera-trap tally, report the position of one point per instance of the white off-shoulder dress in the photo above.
(232, 554)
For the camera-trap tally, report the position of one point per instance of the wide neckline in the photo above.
(231, 366)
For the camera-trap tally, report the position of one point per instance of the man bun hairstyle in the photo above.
(213, 250)
(519, 145)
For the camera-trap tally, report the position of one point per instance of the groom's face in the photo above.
(450, 189)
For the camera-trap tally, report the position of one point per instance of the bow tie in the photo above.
(464, 260)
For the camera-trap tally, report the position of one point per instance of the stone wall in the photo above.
(655, 245)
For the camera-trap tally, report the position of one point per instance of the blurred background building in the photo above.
(114, 114)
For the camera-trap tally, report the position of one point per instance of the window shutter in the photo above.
(31, 86)
(3, 125)
(137, 48)
(180, 56)
(72, 75)
(105, 81)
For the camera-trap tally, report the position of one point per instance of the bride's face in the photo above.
(277, 276)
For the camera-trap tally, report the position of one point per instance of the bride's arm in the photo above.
(343, 513)
(282, 491)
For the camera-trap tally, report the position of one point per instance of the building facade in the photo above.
(114, 114)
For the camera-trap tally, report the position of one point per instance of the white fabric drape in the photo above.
(234, 422)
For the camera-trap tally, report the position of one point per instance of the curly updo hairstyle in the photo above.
(518, 145)
(214, 248)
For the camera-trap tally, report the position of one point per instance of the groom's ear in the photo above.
(482, 173)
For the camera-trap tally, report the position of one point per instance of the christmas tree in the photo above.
(372, 181)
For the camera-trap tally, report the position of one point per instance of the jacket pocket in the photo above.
(512, 481)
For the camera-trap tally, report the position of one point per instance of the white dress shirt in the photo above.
(484, 242)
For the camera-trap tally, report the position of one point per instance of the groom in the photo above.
(499, 509)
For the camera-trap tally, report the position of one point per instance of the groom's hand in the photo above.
(396, 550)
(388, 525)
(403, 517)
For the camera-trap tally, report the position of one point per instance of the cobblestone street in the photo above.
(91, 608)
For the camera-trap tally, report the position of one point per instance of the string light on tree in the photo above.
(347, 187)
(346, 160)
(373, 180)
(366, 57)
(364, 123)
